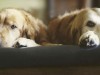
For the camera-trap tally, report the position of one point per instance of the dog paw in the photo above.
(24, 42)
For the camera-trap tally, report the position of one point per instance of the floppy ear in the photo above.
(35, 29)
(75, 34)
(60, 28)
(30, 26)
(76, 28)
(66, 27)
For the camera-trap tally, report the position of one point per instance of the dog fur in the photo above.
(17, 23)
(81, 27)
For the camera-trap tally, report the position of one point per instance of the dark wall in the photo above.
(59, 7)
(95, 3)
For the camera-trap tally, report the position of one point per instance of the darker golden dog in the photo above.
(81, 27)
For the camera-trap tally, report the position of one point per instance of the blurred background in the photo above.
(48, 9)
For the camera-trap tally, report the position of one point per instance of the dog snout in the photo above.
(88, 43)
(89, 40)
(18, 45)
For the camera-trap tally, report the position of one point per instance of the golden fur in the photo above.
(69, 28)
(25, 26)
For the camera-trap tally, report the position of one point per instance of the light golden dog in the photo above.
(76, 28)
(16, 24)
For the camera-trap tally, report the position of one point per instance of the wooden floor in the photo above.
(52, 71)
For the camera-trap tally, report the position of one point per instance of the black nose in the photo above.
(87, 43)
(17, 45)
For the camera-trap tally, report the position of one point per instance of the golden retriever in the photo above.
(17, 24)
(81, 27)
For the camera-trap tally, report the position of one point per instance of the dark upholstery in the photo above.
(54, 60)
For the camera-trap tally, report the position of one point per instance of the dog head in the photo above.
(81, 27)
(86, 26)
(15, 23)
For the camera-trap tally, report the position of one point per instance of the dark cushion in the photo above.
(49, 56)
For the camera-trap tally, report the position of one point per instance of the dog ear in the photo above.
(35, 29)
(66, 26)
(30, 26)
(76, 28)
(60, 28)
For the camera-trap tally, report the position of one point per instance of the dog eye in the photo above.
(90, 24)
(13, 27)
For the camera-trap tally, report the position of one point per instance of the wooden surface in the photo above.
(52, 71)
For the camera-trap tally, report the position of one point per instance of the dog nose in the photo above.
(18, 45)
(87, 43)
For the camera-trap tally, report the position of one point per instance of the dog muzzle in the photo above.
(89, 40)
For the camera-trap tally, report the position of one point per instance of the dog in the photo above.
(18, 24)
(24, 43)
(81, 27)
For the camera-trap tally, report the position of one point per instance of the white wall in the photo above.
(37, 5)
(22, 3)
